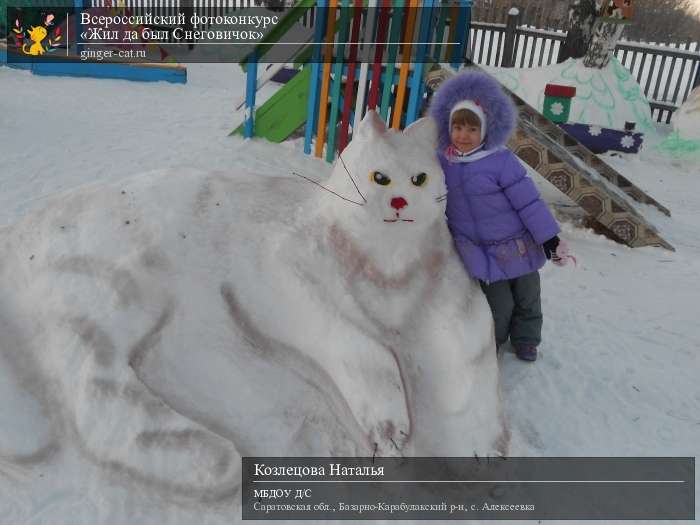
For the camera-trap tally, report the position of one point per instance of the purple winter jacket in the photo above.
(494, 211)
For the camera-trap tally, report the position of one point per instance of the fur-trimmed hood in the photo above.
(499, 109)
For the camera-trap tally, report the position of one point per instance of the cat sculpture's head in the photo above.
(391, 182)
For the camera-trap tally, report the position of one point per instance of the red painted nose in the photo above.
(398, 202)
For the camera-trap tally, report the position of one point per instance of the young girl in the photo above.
(503, 230)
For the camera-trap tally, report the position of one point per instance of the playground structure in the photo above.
(63, 64)
(390, 75)
(377, 73)
(600, 190)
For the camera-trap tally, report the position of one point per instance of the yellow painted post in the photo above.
(325, 84)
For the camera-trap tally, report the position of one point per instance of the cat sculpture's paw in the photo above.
(389, 439)
(154, 445)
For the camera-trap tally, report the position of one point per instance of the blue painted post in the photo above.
(461, 33)
(251, 85)
(312, 106)
(417, 86)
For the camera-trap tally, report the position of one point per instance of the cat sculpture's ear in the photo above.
(423, 130)
(371, 126)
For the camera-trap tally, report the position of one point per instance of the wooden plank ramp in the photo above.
(585, 179)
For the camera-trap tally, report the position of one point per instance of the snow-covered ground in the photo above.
(618, 367)
(685, 120)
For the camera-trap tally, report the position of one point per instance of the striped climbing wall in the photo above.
(375, 56)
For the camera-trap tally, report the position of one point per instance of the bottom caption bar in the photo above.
(468, 488)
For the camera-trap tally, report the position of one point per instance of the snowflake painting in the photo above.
(600, 139)
(557, 108)
(627, 142)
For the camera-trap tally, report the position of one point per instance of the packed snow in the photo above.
(618, 366)
(686, 120)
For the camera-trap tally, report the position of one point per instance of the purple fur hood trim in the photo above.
(484, 89)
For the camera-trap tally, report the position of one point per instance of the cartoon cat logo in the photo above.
(37, 35)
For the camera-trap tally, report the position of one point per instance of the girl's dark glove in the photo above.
(550, 247)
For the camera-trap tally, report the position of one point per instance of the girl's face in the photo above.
(465, 137)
